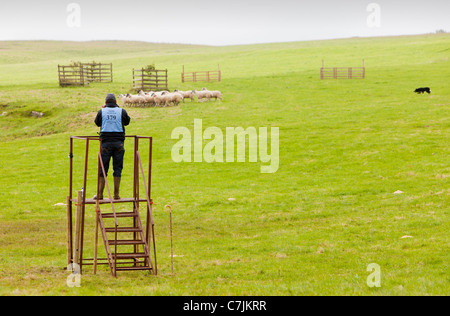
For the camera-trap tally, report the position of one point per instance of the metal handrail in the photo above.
(113, 211)
(145, 186)
(149, 208)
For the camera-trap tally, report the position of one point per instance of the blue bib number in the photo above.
(112, 120)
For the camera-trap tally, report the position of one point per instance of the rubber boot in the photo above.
(116, 188)
(102, 183)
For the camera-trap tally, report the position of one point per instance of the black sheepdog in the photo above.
(422, 90)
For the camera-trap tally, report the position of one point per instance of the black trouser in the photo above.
(116, 150)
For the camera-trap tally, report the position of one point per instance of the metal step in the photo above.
(126, 242)
(129, 255)
(124, 214)
(108, 201)
(123, 230)
(133, 268)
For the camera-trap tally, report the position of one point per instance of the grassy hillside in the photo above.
(311, 228)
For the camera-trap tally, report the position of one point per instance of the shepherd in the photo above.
(112, 121)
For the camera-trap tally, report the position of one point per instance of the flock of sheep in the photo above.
(166, 98)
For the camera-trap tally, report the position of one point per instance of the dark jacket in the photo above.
(112, 137)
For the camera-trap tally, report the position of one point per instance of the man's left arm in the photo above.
(125, 118)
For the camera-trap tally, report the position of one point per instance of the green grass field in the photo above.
(311, 228)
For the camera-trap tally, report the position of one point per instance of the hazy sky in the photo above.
(218, 22)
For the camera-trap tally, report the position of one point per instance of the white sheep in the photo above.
(204, 94)
(161, 92)
(158, 99)
(216, 95)
(136, 99)
(176, 98)
(148, 99)
(166, 98)
(125, 100)
(186, 95)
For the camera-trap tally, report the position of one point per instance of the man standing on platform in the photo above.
(112, 121)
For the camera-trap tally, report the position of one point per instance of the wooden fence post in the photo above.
(182, 75)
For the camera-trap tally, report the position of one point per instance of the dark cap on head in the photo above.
(111, 98)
